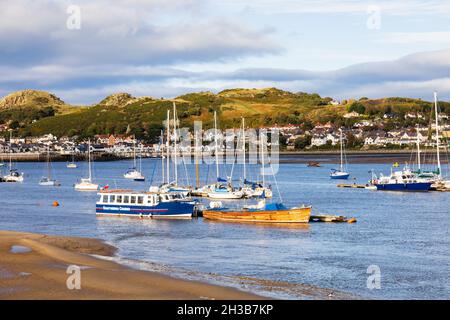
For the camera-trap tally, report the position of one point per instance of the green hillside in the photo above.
(36, 113)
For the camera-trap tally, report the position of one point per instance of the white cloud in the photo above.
(416, 75)
(435, 37)
(126, 31)
(388, 7)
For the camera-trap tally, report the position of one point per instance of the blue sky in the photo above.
(343, 49)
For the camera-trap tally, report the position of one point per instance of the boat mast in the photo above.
(342, 151)
(196, 158)
(262, 161)
(10, 151)
(418, 148)
(89, 160)
(437, 133)
(48, 163)
(134, 152)
(216, 149)
(162, 157)
(167, 147)
(140, 159)
(175, 137)
(243, 147)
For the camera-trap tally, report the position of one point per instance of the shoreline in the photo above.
(39, 272)
(325, 156)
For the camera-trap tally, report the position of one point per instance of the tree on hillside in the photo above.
(357, 107)
(302, 142)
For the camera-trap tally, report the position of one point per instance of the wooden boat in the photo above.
(313, 164)
(271, 213)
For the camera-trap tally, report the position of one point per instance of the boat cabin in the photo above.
(131, 198)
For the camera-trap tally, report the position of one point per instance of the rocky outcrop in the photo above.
(27, 98)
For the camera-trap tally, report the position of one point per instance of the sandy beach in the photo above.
(33, 266)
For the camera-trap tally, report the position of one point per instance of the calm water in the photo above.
(406, 235)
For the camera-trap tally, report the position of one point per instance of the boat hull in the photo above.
(410, 187)
(294, 215)
(86, 187)
(50, 183)
(12, 179)
(339, 175)
(226, 195)
(162, 210)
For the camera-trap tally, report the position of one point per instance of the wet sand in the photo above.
(34, 266)
(36, 269)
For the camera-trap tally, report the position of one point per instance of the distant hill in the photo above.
(37, 112)
(31, 98)
(21, 108)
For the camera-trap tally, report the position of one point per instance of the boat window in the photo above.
(105, 199)
(133, 199)
(112, 199)
(126, 199)
(150, 200)
(119, 199)
(140, 200)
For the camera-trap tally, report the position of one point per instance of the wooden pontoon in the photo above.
(280, 215)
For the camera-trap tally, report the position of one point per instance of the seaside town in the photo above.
(364, 134)
(225, 155)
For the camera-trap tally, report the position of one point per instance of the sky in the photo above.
(84, 50)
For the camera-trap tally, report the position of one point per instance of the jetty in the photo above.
(331, 218)
(351, 185)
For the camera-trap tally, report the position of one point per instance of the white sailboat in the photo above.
(14, 175)
(48, 181)
(252, 189)
(86, 184)
(440, 182)
(72, 164)
(340, 173)
(222, 189)
(133, 173)
(173, 186)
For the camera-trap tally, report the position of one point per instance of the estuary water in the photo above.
(406, 235)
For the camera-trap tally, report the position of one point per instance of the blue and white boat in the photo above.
(404, 180)
(340, 173)
(144, 204)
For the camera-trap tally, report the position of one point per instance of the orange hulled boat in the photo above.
(264, 213)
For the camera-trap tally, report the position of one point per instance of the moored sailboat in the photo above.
(14, 175)
(86, 184)
(72, 164)
(133, 173)
(168, 185)
(340, 173)
(222, 189)
(48, 181)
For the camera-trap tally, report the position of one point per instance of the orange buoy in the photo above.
(351, 220)
(55, 203)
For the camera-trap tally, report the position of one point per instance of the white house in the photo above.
(352, 114)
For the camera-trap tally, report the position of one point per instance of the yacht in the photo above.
(340, 173)
(14, 175)
(86, 184)
(48, 181)
(133, 173)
